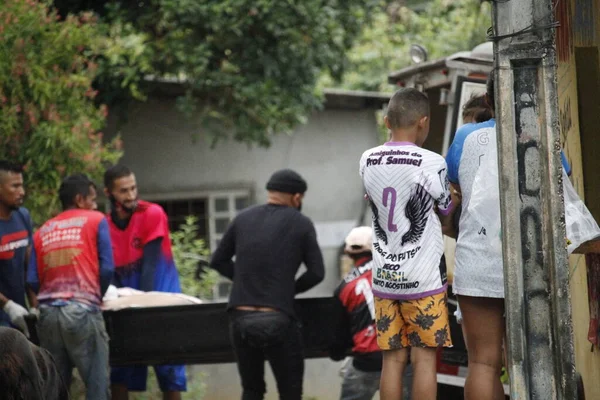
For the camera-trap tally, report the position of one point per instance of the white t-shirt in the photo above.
(477, 264)
(404, 184)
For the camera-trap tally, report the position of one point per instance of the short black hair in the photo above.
(73, 185)
(113, 173)
(478, 108)
(7, 166)
(406, 107)
(490, 90)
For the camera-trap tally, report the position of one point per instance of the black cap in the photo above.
(287, 181)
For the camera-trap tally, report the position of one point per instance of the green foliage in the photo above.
(122, 63)
(188, 250)
(249, 66)
(49, 121)
(443, 28)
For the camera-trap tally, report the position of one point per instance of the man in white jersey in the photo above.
(408, 189)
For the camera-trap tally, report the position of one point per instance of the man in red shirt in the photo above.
(71, 266)
(143, 258)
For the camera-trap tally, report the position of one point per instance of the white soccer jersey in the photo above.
(477, 265)
(404, 184)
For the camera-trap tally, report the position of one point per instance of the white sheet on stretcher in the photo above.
(119, 298)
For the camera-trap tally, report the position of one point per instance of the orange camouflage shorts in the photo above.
(412, 323)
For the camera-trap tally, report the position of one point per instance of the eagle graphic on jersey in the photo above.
(379, 232)
(417, 211)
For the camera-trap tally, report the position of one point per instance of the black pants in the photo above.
(272, 336)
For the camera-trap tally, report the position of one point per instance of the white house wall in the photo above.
(159, 148)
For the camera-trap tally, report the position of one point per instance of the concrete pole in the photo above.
(538, 306)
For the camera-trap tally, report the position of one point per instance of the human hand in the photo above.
(17, 314)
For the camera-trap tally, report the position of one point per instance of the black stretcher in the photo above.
(199, 333)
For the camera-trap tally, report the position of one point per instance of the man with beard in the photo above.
(143, 260)
(15, 245)
(269, 242)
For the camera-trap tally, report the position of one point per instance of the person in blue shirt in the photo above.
(478, 276)
(15, 245)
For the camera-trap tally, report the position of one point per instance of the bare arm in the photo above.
(3, 300)
(449, 228)
(31, 297)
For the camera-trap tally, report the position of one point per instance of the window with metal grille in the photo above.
(178, 210)
(214, 210)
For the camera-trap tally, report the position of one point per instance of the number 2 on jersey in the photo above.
(390, 192)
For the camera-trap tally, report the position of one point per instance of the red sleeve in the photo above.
(155, 224)
(345, 295)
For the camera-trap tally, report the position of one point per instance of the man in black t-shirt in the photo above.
(269, 243)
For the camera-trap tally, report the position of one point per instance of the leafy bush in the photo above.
(49, 120)
(188, 252)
